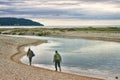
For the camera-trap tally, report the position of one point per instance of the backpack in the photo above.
(32, 54)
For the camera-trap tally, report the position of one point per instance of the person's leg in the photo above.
(30, 59)
(59, 66)
(56, 65)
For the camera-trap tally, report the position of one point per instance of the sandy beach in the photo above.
(104, 36)
(11, 50)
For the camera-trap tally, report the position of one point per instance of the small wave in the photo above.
(85, 72)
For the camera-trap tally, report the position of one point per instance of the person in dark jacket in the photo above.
(30, 54)
(57, 60)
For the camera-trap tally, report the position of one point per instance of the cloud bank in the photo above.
(62, 9)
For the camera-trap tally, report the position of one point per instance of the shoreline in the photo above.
(21, 49)
(112, 37)
(16, 57)
(46, 73)
(99, 76)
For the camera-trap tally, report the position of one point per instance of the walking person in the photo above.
(30, 54)
(57, 60)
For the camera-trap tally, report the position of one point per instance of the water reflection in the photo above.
(79, 53)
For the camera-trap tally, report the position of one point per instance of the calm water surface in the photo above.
(79, 56)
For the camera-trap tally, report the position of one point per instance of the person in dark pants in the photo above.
(57, 60)
(30, 54)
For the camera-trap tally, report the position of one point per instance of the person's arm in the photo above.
(60, 59)
(32, 53)
(27, 53)
(54, 59)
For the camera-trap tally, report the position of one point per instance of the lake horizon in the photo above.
(62, 26)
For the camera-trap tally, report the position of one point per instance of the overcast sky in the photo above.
(50, 10)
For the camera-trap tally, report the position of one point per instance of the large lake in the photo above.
(79, 56)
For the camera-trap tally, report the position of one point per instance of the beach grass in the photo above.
(49, 31)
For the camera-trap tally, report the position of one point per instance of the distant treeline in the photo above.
(7, 21)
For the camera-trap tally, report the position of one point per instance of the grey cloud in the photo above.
(100, 0)
(21, 9)
(66, 14)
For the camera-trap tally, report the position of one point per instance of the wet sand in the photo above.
(12, 49)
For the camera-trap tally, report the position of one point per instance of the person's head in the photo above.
(56, 51)
(29, 49)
